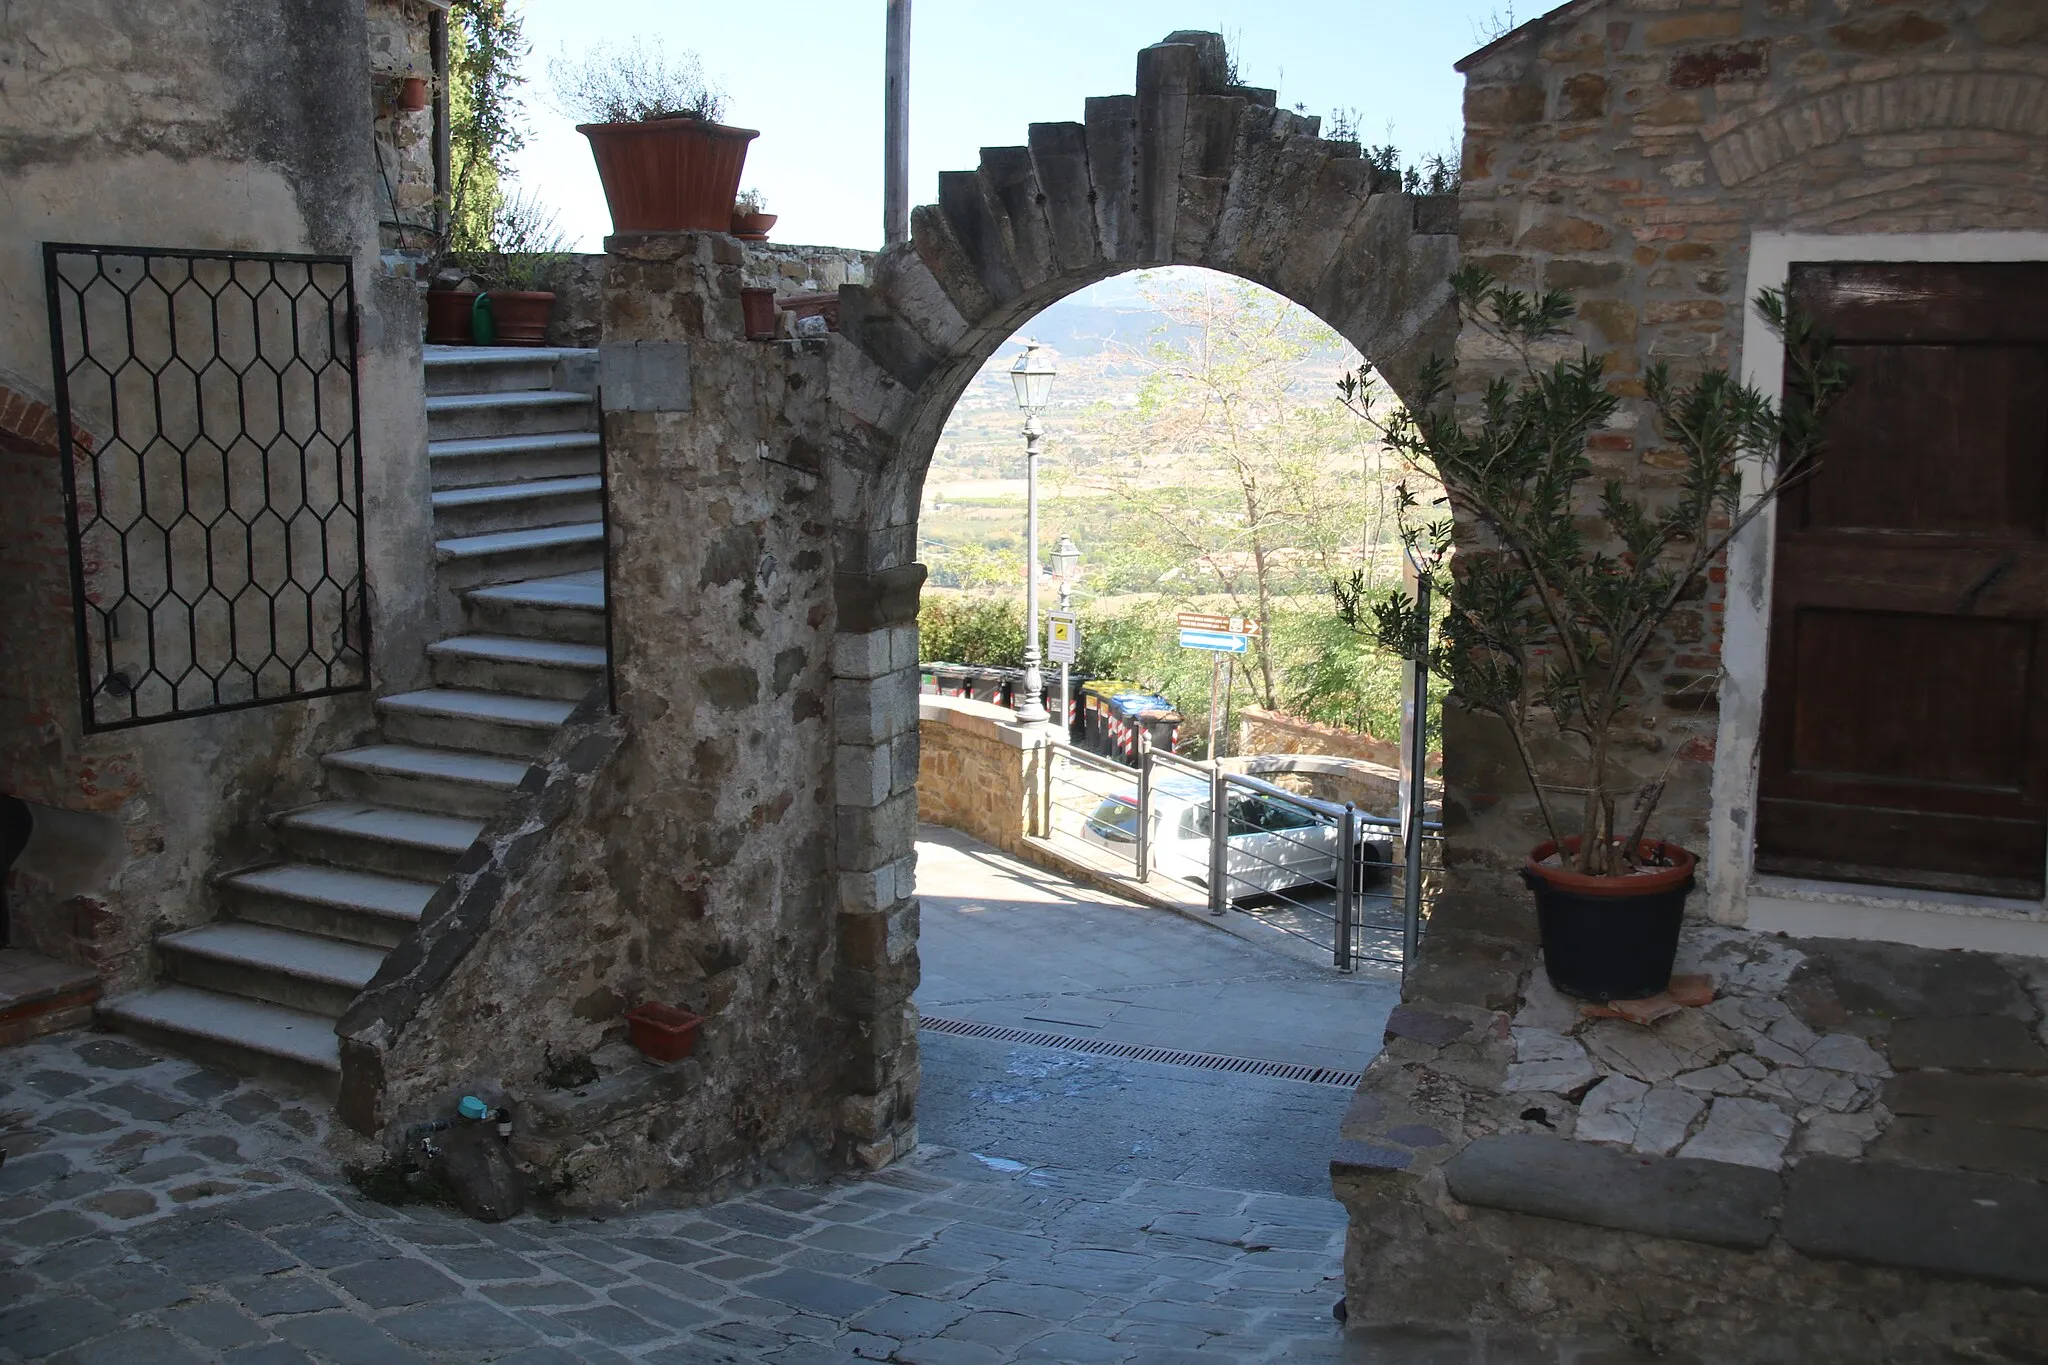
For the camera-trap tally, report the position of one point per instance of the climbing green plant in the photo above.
(486, 125)
(1547, 621)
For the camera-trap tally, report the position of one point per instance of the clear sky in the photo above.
(808, 75)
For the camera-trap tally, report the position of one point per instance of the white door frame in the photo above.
(1735, 893)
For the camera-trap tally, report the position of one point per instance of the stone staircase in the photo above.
(519, 526)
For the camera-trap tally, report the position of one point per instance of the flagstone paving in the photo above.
(153, 1210)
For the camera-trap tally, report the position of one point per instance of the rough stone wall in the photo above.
(1270, 732)
(399, 45)
(977, 770)
(577, 280)
(696, 867)
(805, 269)
(239, 125)
(1627, 150)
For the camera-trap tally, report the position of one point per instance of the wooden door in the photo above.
(1906, 713)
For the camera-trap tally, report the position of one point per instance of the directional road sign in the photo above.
(1220, 641)
(1234, 625)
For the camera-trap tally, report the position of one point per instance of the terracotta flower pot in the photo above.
(448, 317)
(522, 316)
(752, 227)
(669, 174)
(412, 94)
(663, 1033)
(1611, 938)
(757, 306)
(824, 306)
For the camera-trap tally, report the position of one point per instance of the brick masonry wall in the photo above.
(1627, 150)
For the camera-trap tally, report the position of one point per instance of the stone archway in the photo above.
(1190, 170)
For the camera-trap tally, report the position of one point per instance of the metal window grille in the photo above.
(215, 502)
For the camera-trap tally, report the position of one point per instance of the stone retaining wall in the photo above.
(977, 770)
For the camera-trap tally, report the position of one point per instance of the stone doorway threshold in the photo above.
(39, 995)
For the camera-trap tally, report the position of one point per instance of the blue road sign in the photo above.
(1221, 641)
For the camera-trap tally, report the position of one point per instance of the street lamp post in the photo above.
(1032, 374)
(1066, 562)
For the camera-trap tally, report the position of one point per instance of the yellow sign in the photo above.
(1063, 638)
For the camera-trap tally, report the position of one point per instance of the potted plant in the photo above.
(665, 161)
(412, 89)
(1559, 596)
(525, 248)
(750, 217)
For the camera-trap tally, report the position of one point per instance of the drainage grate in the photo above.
(1132, 1052)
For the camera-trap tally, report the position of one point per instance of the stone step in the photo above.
(568, 608)
(444, 781)
(465, 463)
(455, 416)
(512, 556)
(240, 1035)
(333, 902)
(482, 722)
(481, 509)
(494, 369)
(510, 663)
(380, 839)
(274, 966)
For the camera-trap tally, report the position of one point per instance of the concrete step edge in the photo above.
(486, 494)
(519, 649)
(434, 833)
(496, 708)
(272, 1030)
(284, 952)
(442, 765)
(335, 888)
(518, 542)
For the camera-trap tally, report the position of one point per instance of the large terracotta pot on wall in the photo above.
(669, 174)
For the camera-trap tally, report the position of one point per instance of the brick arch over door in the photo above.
(1188, 171)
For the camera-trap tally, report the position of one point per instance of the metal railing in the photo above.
(1095, 804)
(1354, 883)
(213, 477)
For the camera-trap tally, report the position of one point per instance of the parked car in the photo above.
(1274, 845)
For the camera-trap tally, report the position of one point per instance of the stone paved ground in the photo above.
(1069, 1208)
(154, 1211)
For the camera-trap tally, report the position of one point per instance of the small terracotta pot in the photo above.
(669, 174)
(522, 316)
(412, 94)
(448, 317)
(663, 1033)
(752, 227)
(757, 306)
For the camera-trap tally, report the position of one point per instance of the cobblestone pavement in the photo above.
(153, 1210)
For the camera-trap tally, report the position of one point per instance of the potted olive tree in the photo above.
(665, 161)
(1559, 595)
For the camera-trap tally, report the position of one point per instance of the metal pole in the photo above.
(1229, 682)
(1032, 710)
(1416, 759)
(1219, 838)
(1066, 682)
(896, 126)
(1215, 711)
(1144, 806)
(1347, 885)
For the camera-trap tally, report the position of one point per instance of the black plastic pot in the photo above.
(1611, 938)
